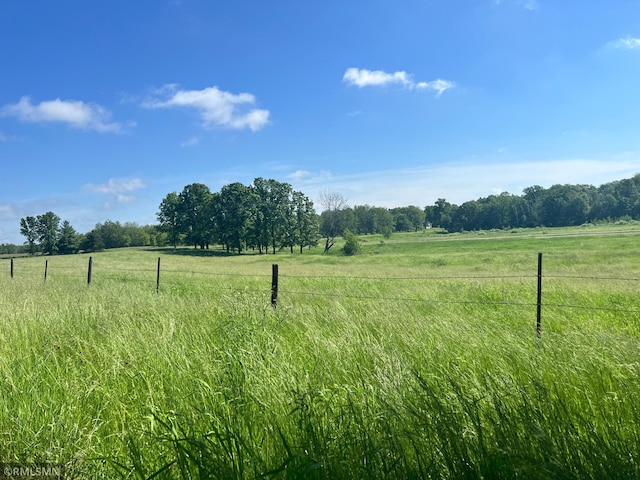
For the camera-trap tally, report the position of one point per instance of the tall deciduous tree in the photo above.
(48, 230)
(193, 211)
(28, 228)
(274, 213)
(306, 221)
(169, 216)
(233, 213)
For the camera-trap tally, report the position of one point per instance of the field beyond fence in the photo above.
(417, 359)
(296, 285)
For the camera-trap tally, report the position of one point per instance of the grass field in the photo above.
(417, 359)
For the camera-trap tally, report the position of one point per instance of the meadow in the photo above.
(416, 359)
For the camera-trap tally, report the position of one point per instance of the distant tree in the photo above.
(68, 240)
(332, 222)
(194, 214)
(382, 221)
(441, 213)
(157, 236)
(9, 249)
(407, 219)
(48, 229)
(169, 216)
(306, 221)
(402, 223)
(233, 214)
(273, 223)
(565, 205)
(93, 241)
(113, 234)
(29, 229)
(533, 197)
(138, 235)
(364, 220)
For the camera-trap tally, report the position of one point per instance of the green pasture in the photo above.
(416, 359)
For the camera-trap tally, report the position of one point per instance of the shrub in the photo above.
(351, 243)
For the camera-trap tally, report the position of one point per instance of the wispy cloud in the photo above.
(376, 78)
(308, 176)
(628, 43)
(216, 107)
(75, 113)
(531, 5)
(118, 189)
(439, 86)
(8, 211)
(116, 186)
(192, 142)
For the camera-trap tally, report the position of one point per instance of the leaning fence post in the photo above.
(46, 267)
(89, 271)
(539, 302)
(11, 267)
(158, 278)
(274, 286)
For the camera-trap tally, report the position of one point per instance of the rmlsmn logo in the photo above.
(33, 471)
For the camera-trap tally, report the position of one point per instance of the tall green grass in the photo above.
(424, 363)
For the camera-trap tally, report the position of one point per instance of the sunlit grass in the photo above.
(423, 364)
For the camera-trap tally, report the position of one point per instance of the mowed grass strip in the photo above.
(386, 365)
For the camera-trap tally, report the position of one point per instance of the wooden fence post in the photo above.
(539, 302)
(274, 286)
(158, 278)
(89, 271)
(11, 267)
(46, 267)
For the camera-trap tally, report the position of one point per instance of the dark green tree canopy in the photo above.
(264, 215)
(558, 205)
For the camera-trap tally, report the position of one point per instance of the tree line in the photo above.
(557, 206)
(269, 215)
(48, 235)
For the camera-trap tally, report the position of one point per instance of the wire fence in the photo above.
(292, 283)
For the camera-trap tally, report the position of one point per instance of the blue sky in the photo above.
(105, 107)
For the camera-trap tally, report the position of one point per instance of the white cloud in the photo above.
(216, 107)
(364, 78)
(115, 186)
(77, 114)
(439, 86)
(367, 78)
(192, 142)
(628, 43)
